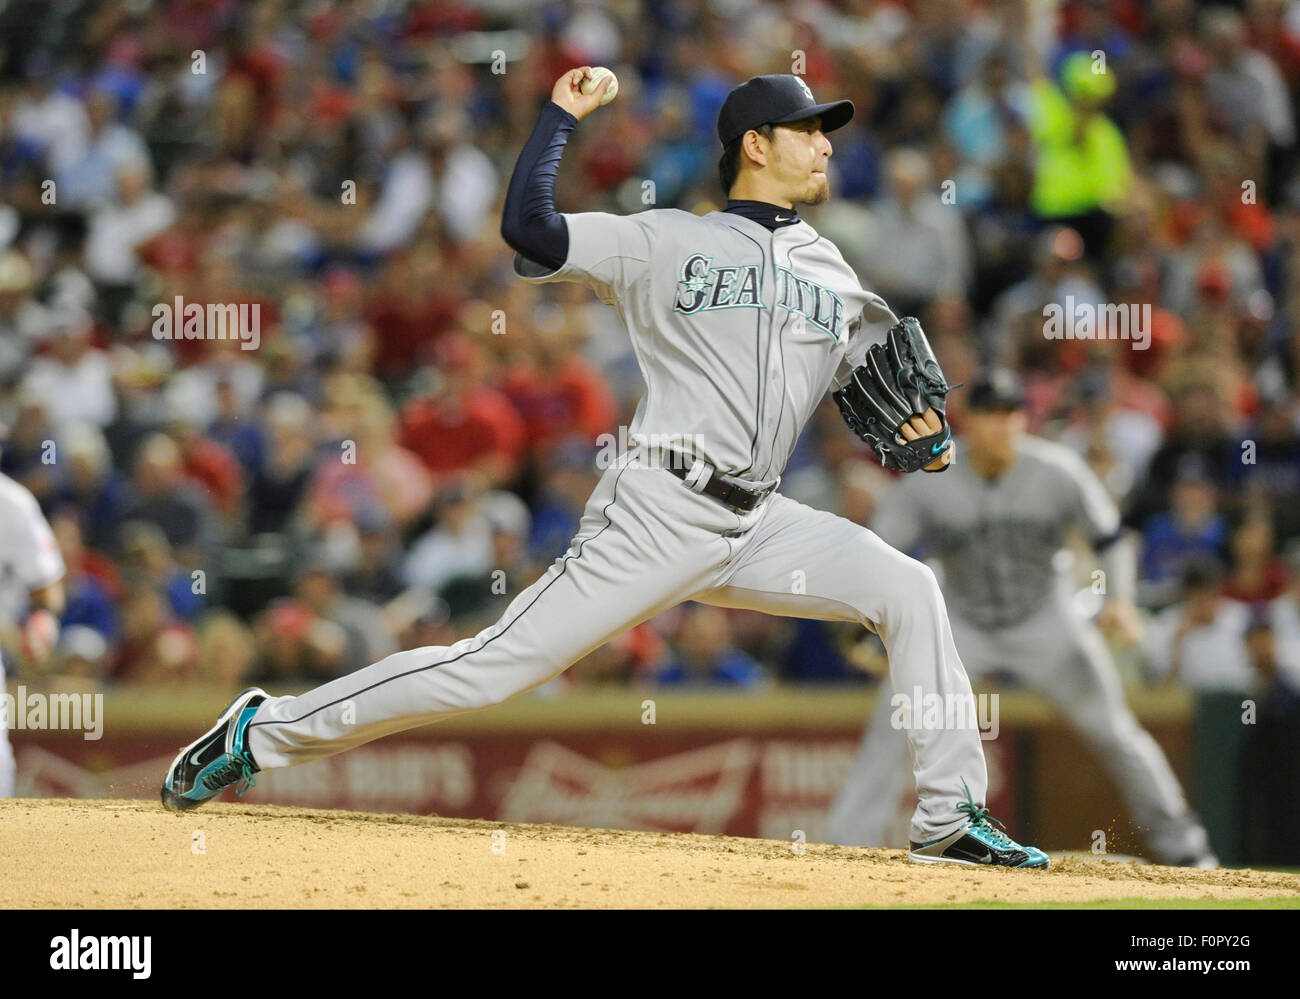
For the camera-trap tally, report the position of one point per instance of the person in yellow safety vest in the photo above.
(1082, 162)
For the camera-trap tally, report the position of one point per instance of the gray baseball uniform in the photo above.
(29, 560)
(1000, 544)
(739, 331)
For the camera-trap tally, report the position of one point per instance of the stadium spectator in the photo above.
(370, 468)
(1082, 168)
(367, 637)
(1271, 807)
(706, 656)
(1200, 443)
(279, 485)
(1191, 527)
(1199, 641)
(73, 379)
(92, 586)
(118, 229)
(917, 249)
(460, 427)
(557, 393)
(91, 485)
(148, 564)
(1257, 575)
(414, 305)
(159, 494)
(48, 123)
(23, 320)
(462, 542)
(90, 177)
(567, 478)
(1284, 615)
(156, 648)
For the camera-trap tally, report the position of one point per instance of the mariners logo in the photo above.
(806, 92)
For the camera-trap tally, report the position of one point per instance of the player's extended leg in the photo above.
(803, 562)
(1083, 683)
(645, 543)
(868, 798)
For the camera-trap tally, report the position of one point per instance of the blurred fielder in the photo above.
(31, 595)
(998, 524)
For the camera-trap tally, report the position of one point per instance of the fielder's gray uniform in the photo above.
(739, 331)
(29, 560)
(1000, 545)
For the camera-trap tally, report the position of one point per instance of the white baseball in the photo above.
(598, 73)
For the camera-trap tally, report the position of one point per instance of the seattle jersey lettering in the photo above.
(703, 287)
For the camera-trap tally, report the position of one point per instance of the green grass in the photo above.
(1272, 902)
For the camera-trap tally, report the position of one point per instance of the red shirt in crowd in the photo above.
(407, 334)
(573, 399)
(1269, 587)
(450, 438)
(213, 467)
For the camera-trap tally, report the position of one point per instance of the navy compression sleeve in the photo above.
(530, 224)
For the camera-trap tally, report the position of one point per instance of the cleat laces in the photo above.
(984, 823)
(237, 769)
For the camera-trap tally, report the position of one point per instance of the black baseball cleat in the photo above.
(977, 844)
(216, 760)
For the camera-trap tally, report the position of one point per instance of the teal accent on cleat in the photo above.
(216, 760)
(981, 842)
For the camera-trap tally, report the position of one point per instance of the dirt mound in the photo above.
(111, 854)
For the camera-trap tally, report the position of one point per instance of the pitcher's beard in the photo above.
(820, 193)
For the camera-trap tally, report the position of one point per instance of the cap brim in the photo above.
(997, 404)
(834, 115)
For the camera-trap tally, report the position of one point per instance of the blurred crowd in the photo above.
(413, 439)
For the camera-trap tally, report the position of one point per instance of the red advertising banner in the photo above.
(756, 783)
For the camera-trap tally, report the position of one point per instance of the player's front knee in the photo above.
(910, 589)
(918, 586)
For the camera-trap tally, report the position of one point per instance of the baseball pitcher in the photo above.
(741, 321)
(998, 524)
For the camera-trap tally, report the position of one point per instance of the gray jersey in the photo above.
(739, 331)
(29, 556)
(998, 541)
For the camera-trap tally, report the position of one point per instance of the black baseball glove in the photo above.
(900, 379)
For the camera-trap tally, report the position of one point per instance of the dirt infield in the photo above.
(129, 854)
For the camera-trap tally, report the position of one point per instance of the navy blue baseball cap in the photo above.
(996, 388)
(777, 99)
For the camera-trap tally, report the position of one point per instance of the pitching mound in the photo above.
(129, 854)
